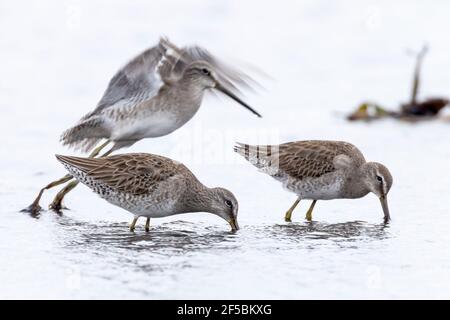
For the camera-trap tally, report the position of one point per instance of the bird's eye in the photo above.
(228, 203)
(206, 71)
(380, 179)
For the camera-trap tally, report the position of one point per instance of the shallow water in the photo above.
(58, 70)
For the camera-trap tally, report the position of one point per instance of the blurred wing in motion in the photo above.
(142, 77)
(138, 79)
(177, 60)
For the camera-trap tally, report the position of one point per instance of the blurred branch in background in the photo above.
(413, 111)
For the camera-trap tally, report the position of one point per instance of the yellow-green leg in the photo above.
(310, 210)
(147, 225)
(288, 215)
(133, 224)
(97, 150)
(56, 204)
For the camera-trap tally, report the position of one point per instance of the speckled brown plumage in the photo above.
(134, 174)
(320, 170)
(301, 159)
(150, 185)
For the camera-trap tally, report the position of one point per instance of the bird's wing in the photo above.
(142, 77)
(303, 158)
(138, 79)
(129, 173)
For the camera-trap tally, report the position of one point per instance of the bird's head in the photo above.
(224, 204)
(204, 75)
(378, 180)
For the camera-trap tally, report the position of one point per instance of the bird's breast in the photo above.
(326, 187)
(151, 125)
(152, 120)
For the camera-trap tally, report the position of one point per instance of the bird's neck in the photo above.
(180, 100)
(197, 198)
(355, 185)
(190, 87)
(188, 95)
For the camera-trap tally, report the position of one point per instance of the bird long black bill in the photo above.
(385, 207)
(236, 98)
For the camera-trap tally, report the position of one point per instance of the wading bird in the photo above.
(151, 186)
(320, 170)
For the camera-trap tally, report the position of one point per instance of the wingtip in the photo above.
(238, 146)
(163, 39)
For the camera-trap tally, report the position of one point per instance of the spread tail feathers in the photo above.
(85, 135)
(262, 156)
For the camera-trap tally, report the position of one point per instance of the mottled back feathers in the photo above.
(301, 159)
(133, 174)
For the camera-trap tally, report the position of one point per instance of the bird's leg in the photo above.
(133, 224)
(288, 214)
(107, 153)
(34, 208)
(56, 204)
(310, 210)
(147, 225)
(97, 150)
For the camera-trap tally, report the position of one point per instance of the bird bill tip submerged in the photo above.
(234, 224)
(230, 94)
(384, 205)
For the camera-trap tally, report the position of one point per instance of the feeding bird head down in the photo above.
(204, 74)
(225, 205)
(378, 180)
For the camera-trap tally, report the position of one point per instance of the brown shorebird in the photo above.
(151, 186)
(321, 170)
(153, 95)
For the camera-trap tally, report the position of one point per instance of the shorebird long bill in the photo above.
(236, 98)
(234, 224)
(385, 207)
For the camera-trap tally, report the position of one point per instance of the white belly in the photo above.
(326, 188)
(155, 210)
(156, 125)
(324, 192)
(144, 206)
